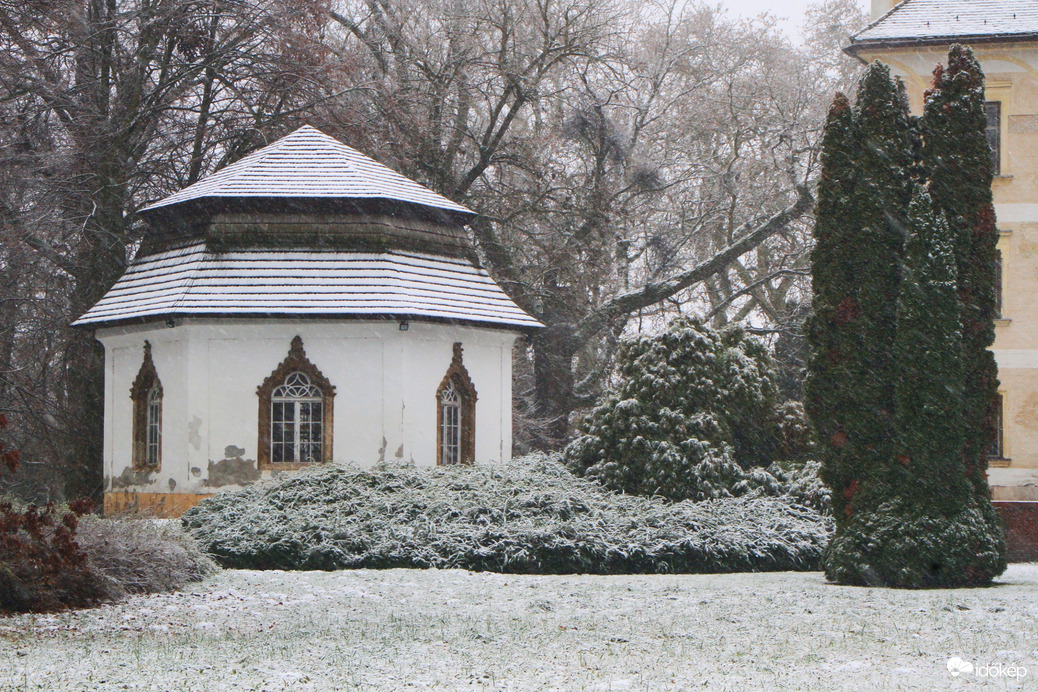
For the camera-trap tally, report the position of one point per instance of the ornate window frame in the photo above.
(456, 410)
(295, 362)
(146, 395)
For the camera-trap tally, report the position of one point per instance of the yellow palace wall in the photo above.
(1011, 71)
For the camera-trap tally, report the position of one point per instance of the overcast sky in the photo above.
(791, 10)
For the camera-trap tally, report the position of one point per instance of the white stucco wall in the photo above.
(385, 399)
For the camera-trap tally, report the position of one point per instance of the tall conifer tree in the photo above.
(830, 392)
(928, 530)
(896, 359)
(958, 159)
(883, 166)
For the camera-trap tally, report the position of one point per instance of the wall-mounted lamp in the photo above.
(404, 325)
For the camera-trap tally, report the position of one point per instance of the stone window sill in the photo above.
(999, 463)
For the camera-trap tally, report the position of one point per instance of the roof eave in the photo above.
(385, 317)
(202, 206)
(916, 41)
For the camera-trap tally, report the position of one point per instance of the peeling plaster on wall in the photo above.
(194, 435)
(234, 471)
(172, 485)
(195, 471)
(129, 478)
(233, 452)
(400, 451)
(107, 482)
(382, 449)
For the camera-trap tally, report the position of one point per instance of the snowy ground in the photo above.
(459, 630)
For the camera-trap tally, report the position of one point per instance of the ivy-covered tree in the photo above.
(928, 530)
(690, 409)
(958, 160)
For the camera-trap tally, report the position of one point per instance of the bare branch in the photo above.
(651, 294)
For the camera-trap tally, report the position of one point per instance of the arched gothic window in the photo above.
(295, 415)
(146, 394)
(456, 415)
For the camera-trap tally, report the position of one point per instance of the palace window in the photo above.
(997, 448)
(295, 414)
(146, 395)
(998, 284)
(456, 415)
(993, 132)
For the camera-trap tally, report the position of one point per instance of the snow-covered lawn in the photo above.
(460, 630)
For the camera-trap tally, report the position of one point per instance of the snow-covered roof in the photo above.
(195, 280)
(942, 21)
(310, 164)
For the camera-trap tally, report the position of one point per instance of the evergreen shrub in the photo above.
(692, 415)
(529, 516)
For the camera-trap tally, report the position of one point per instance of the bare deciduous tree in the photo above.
(105, 105)
(627, 159)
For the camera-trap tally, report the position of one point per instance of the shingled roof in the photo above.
(309, 164)
(196, 281)
(919, 22)
(205, 277)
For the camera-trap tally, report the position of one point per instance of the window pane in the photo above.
(153, 431)
(296, 420)
(993, 132)
(996, 451)
(998, 283)
(282, 431)
(450, 433)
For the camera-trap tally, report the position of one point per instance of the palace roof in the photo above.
(917, 22)
(367, 258)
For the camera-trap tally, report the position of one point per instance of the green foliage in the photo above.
(928, 391)
(831, 397)
(530, 516)
(958, 159)
(692, 408)
(900, 378)
(882, 188)
(900, 544)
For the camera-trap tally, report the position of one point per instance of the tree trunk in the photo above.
(554, 349)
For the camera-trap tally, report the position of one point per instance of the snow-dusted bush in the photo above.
(529, 516)
(42, 568)
(56, 557)
(141, 555)
(693, 415)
